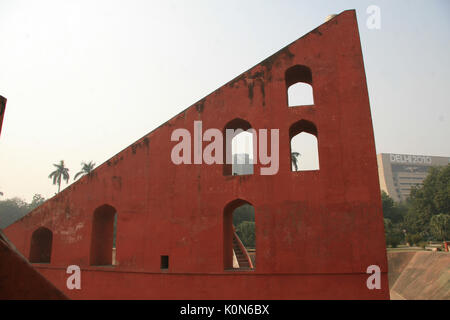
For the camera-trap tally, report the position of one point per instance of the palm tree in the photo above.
(294, 160)
(60, 172)
(86, 168)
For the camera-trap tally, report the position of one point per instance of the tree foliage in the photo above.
(14, 206)
(393, 214)
(13, 209)
(244, 221)
(393, 233)
(440, 226)
(425, 215)
(246, 232)
(114, 230)
(86, 168)
(61, 172)
(38, 199)
(392, 210)
(428, 200)
(243, 213)
(294, 160)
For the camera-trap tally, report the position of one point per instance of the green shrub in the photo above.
(422, 244)
(414, 239)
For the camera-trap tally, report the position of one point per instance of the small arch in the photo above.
(299, 86)
(103, 236)
(41, 245)
(239, 148)
(239, 235)
(304, 150)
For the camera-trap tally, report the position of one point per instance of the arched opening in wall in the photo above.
(242, 154)
(103, 237)
(239, 232)
(114, 241)
(304, 146)
(41, 245)
(239, 148)
(299, 86)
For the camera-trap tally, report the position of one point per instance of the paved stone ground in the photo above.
(420, 275)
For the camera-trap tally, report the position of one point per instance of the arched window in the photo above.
(299, 86)
(41, 245)
(239, 148)
(239, 236)
(242, 154)
(103, 236)
(304, 146)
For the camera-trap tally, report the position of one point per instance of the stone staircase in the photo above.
(242, 257)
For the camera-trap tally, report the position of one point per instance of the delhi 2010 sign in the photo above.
(407, 158)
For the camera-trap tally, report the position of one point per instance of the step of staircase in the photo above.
(240, 256)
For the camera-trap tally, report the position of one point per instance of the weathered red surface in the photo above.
(316, 231)
(19, 280)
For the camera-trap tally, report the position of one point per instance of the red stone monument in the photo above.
(317, 231)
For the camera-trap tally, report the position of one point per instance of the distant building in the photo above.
(399, 172)
(242, 164)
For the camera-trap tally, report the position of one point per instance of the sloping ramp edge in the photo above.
(425, 276)
(19, 280)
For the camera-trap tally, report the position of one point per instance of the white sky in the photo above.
(85, 79)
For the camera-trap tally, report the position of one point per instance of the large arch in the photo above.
(41, 245)
(299, 86)
(102, 236)
(240, 126)
(307, 157)
(229, 239)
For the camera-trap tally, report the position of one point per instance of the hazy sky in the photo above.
(85, 79)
